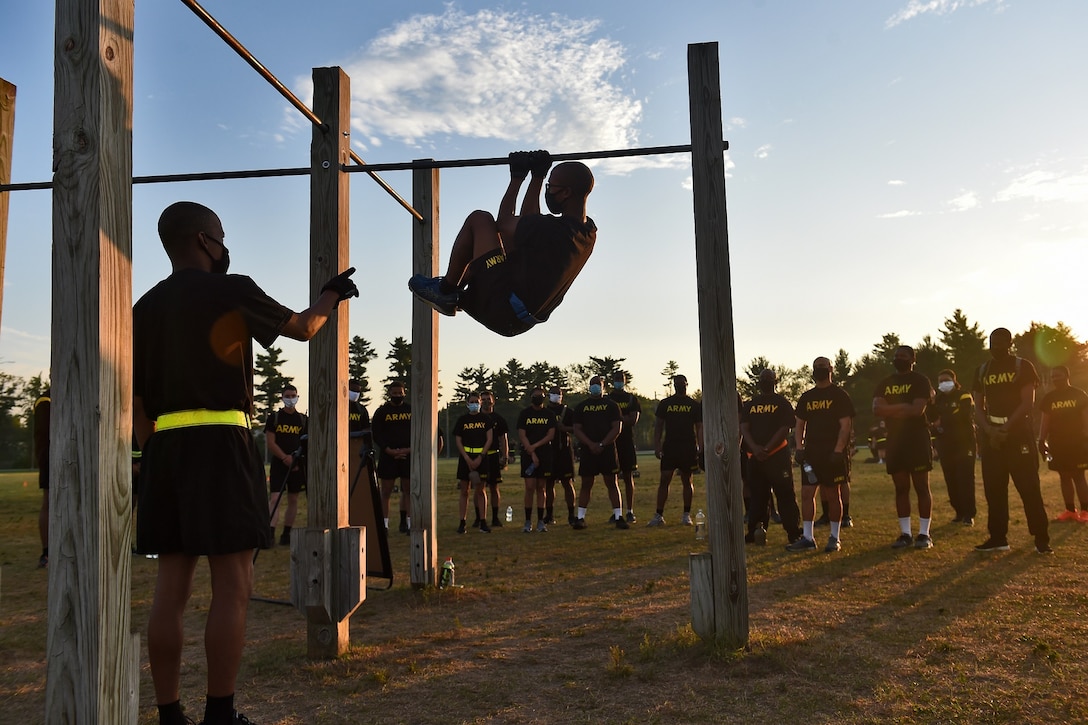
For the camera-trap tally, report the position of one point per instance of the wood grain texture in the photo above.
(7, 142)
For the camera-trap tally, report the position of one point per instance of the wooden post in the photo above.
(327, 623)
(89, 659)
(424, 390)
(721, 427)
(7, 133)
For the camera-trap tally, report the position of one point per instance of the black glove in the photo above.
(520, 163)
(540, 162)
(342, 285)
(799, 456)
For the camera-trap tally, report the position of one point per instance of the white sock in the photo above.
(618, 513)
(923, 526)
(408, 521)
(835, 526)
(806, 529)
(581, 512)
(904, 525)
(387, 522)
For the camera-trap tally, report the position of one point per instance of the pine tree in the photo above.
(267, 391)
(360, 353)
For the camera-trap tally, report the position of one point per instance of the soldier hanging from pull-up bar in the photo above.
(510, 272)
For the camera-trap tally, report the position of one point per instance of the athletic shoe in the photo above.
(621, 523)
(484, 528)
(631, 518)
(657, 520)
(801, 544)
(847, 522)
(1083, 516)
(404, 527)
(238, 719)
(903, 541)
(43, 561)
(571, 518)
(1067, 515)
(759, 536)
(550, 519)
(923, 542)
(429, 290)
(832, 544)
(685, 520)
(542, 527)
(461, 528)
(612, 519)
(496, 523)
(1043, 549)
(776, 517)
(992, 545)
(527, 528)
(968, 521)
(580, 524)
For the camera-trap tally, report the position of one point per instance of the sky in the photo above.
(890, 161)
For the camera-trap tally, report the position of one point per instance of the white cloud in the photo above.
(763, 151)
(1039, 185)
(965, 201)
(914, 8)
(536, 81)
(898, 214)
(896, 182)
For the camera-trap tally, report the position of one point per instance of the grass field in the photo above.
(594, 626)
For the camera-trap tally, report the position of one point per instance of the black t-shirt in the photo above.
(679, 413)
(192, 341)
(288, 425)
(472, 429)
(628, 403)
(547, 254)
(536, 422)
(596, 416)
(765, 415)
(821, 409)
(954, 414)
(499, 428)
(998, 385)
(392, 426)
(1065, 409)
(565, 416)
(905, 388)
(358, 418)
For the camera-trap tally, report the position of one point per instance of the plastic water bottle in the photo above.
(447, 576)
(700, 525)
(530, 469)
(810, 475)
(509, 514)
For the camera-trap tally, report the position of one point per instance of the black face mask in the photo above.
(820, 375)
(902, 366)
(552, 203)
(221, 265)
(396, 399)
(537, 399)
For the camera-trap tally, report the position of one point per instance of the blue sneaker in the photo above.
(430, 291)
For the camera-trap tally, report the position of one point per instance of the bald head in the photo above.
(182, 221)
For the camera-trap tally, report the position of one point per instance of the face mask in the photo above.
(617, 385)
(552, 203)
(290, 402)
(902, 366)
(946, 386)
(474, 407)
(594, 389)
(819, 375)
(396, 399)
(537, 399)
(353, 395)
(555, 397)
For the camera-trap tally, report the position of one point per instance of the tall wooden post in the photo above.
(721, 428)
(424, 385)
(7, 132)
(90, 660)
(325, 557)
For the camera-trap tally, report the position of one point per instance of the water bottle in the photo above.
(446, 577)
(509, 514)
(530, 469)
(700, 525)
(810, 475)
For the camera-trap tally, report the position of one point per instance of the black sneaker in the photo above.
(992, 545)
(484, 528)
(621, 523)
(238, 719)
(612, 519)
(631, 518)
(923, 542)
(802, 544)
(904, 541)
(43, 561)
(429, 290)
(847, 522)
(832, 545)
(580, 524)
(1043, 548)
(496, 523)
(461, 528)
(968, 521)
(571, 519)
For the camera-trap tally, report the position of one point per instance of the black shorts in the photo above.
(390, 468)
(1068, 457)
(827, 473)
(463, 470)
(206, 504)
(544, 455)
(487, 297)
(277, 474)
(684, 460)
(628, 457)
(43, 477)
(909, 454)
(596, 464)
(562, 463)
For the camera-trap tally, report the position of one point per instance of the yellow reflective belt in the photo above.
(473, 450)
(202, 416)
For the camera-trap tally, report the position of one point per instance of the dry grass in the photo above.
(594, 627)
